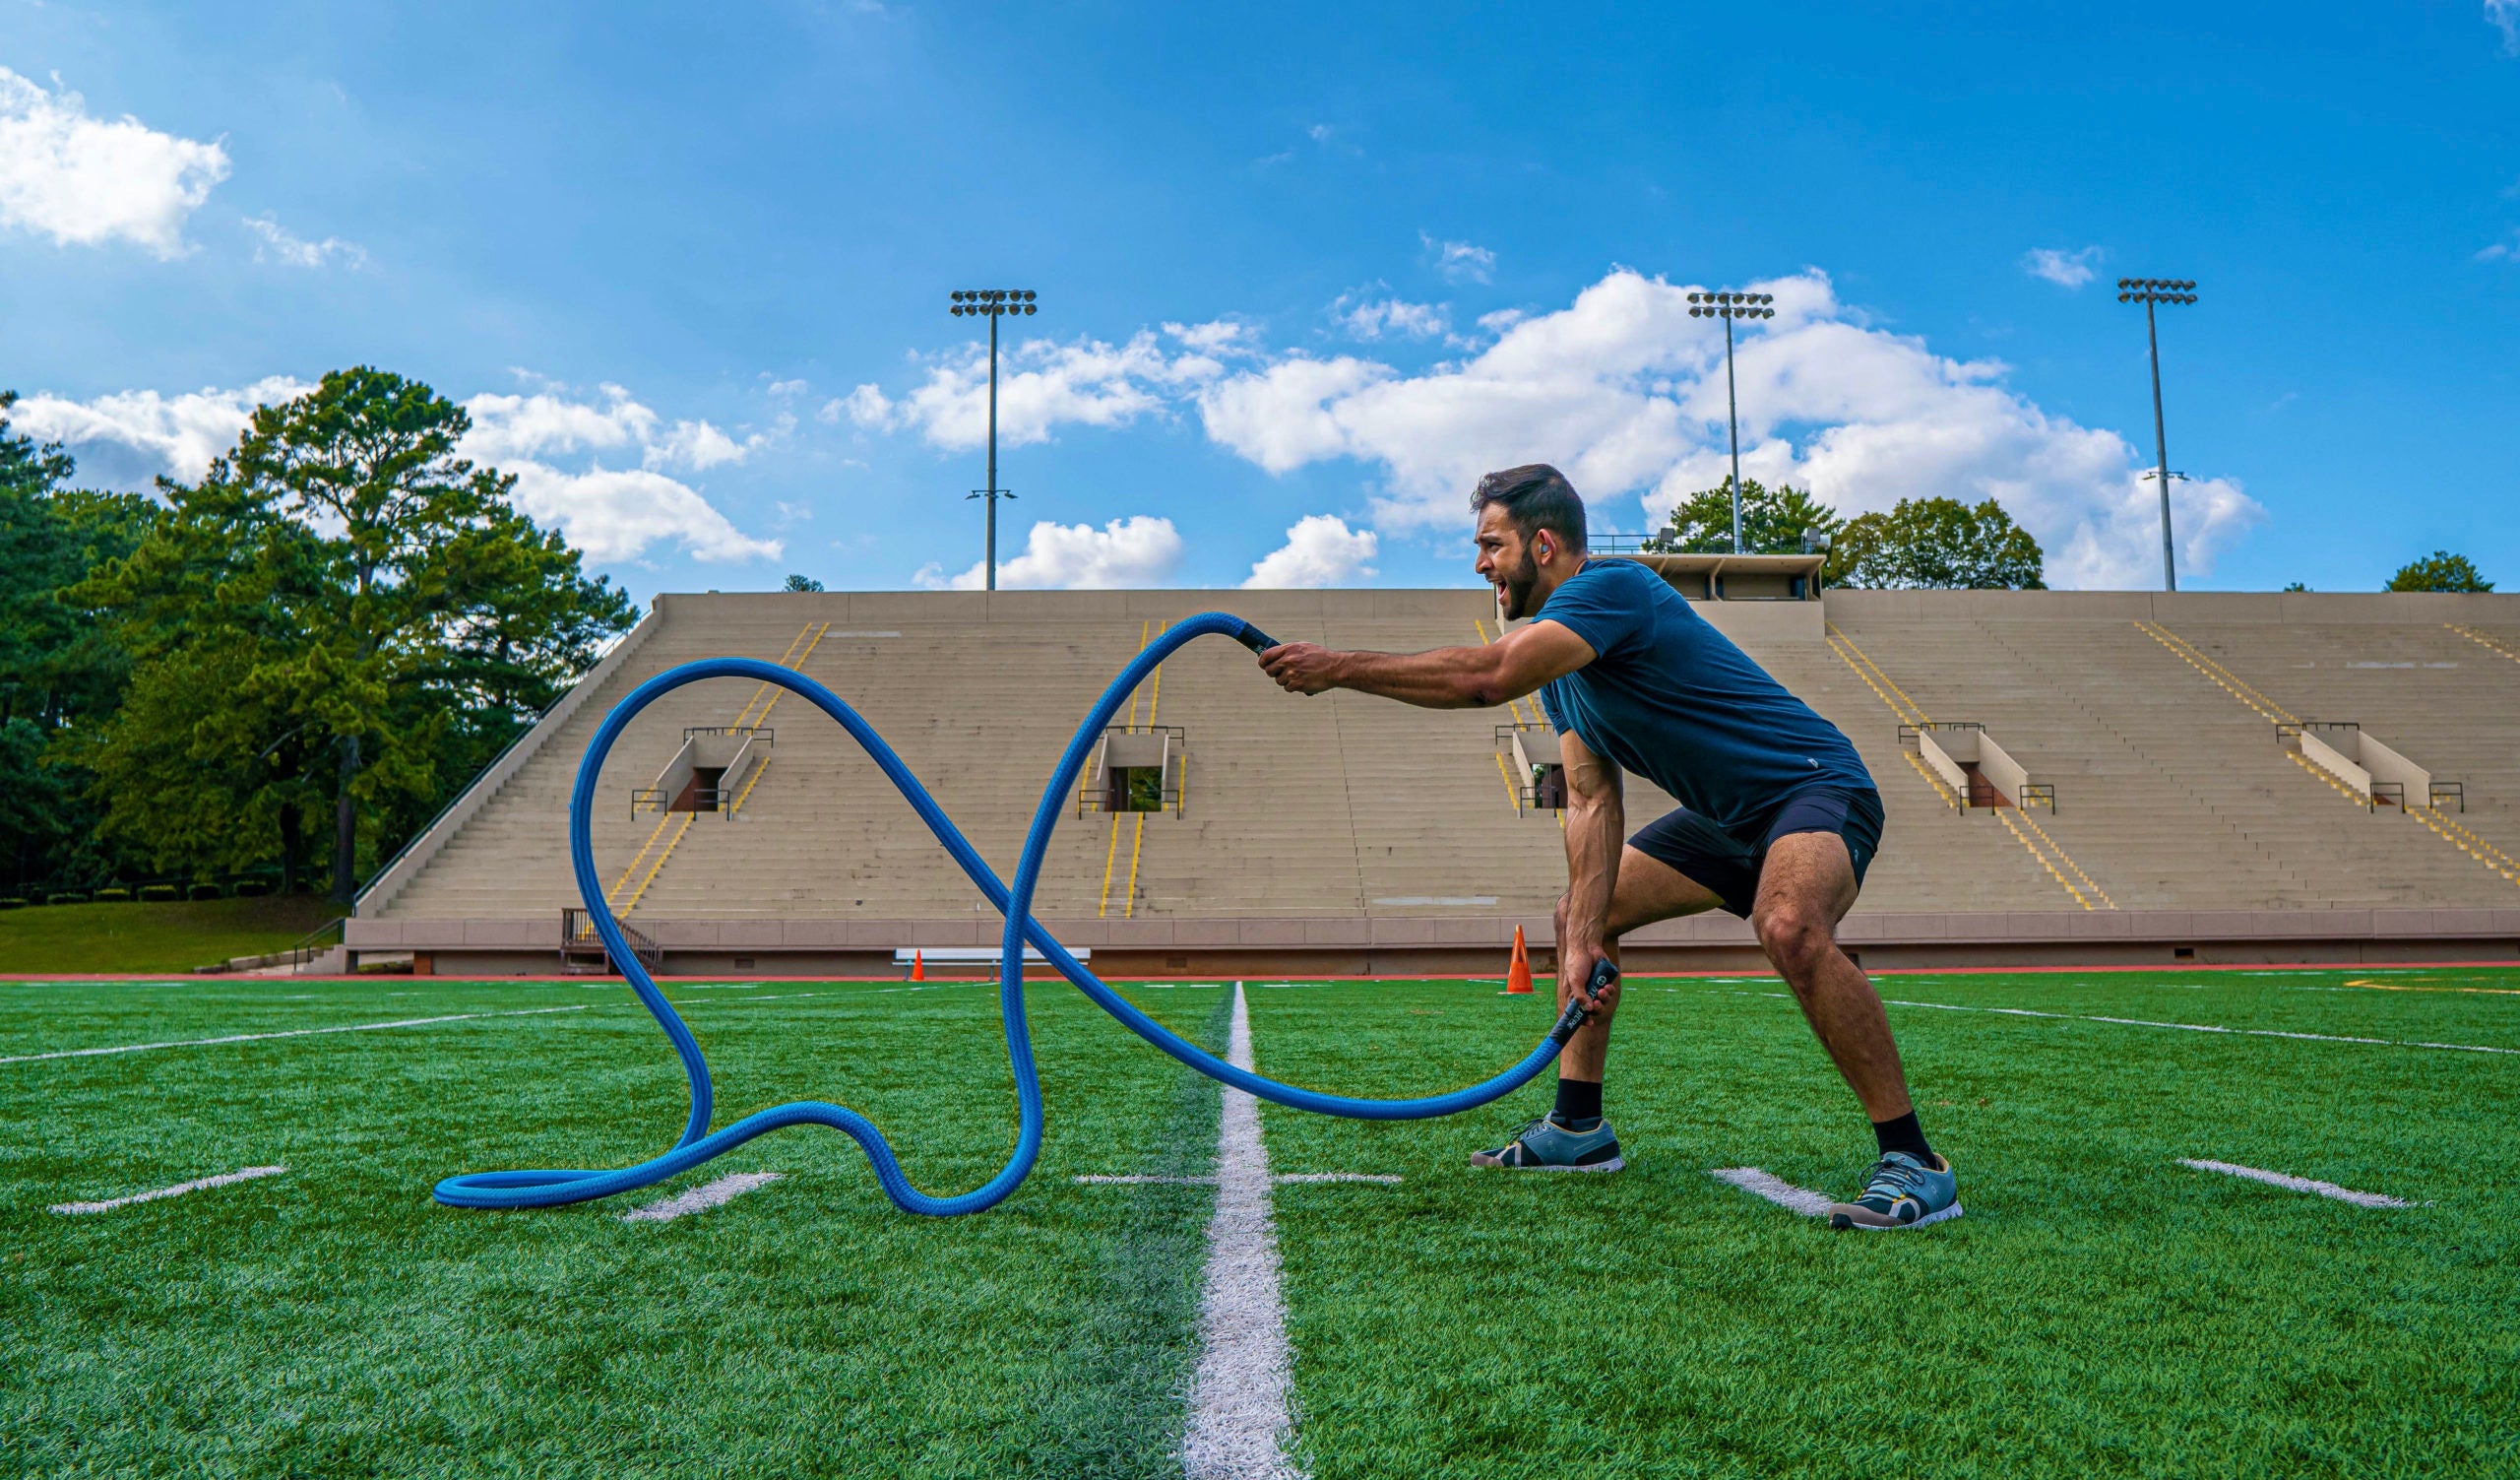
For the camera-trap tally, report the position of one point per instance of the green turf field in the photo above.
(2100, 1310)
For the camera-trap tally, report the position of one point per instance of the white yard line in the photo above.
(1775, 1189)
(701, 1198)
(2298, 1183)
(177, 1190)
(1239, 1415)
(1384, 1179)
(194, 1043)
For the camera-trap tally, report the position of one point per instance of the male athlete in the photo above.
(1778, 816)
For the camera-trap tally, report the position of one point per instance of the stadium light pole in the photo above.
(2149, 292)
(992, 304)
(1729, 306)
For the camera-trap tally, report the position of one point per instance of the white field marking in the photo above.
(712, 1002)
(1282, 1179)
(2141, 1023)
(193, 1043)
(701, 1198)
(1239, 1416)
(2298, 1183)
(1775, 1189)
(177, 1190)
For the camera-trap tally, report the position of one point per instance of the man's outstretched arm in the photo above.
(1443, 678)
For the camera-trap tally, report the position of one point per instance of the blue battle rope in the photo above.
(551, 1188)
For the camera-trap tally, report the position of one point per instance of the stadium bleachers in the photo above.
(1345, 823)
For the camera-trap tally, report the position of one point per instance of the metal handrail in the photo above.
(2034, 793)
(2442, 789)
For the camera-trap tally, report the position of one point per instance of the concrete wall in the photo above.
(2007, 775)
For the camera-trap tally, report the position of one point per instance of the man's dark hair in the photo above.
(1536, 496)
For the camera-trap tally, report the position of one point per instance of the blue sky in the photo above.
(1301, 280)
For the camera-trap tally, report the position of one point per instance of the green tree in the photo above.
(803, 583)
(341, 613)
(1937, 542)
(2440, 571)
(1780, 520)
(60, 672)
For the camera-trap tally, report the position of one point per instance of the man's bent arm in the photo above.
(1595, 831)
(1443, 678)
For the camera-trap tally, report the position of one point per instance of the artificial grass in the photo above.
(171, 937)
(336, 1322)
(2100, 1307)
(2100, 1310)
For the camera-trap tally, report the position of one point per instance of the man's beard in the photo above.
(1517, 588)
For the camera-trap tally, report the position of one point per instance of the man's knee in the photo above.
(1796, 937)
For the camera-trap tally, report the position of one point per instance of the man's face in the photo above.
(1505, 562)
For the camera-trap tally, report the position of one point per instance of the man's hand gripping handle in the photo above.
(1579, 1011)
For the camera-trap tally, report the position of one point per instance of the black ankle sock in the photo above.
(1901, 1134)
(1579, 1103)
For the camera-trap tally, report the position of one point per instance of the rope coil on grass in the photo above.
(698, 1145)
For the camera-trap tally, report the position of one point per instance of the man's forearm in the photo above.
(1444, 679)
(1594, 837)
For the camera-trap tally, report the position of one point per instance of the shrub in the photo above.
(11, 904)
(160, 893)
(205, 891)
(66, 896)
(115, 895)
(251, 888)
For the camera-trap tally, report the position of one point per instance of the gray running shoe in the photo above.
(1901, 1192)
(1545, 1146)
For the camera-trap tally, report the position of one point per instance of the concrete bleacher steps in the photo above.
(1340, 829)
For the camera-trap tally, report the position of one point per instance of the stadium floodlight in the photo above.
(1729, 306)
(2149, 292)
(992, 304)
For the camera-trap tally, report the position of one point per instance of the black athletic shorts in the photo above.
(1729, 863)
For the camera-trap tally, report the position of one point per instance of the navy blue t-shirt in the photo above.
(1672, 699)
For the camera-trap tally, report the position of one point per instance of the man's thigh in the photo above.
(1811, 873)
(1650, 889)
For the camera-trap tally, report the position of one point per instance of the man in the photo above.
(1778, 816)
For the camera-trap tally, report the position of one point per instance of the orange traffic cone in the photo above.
(919, 966)
(1518, 975)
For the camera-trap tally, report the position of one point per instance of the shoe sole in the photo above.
(1614, 1164)
(1843, 1221)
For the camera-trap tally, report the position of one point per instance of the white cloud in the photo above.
(1371, 319)
(2504, 15)
(1320, 550)
(275, 244)
(127, 438)
(864, 405)
(2507, 250)
(784, 389)
(1136, 551)
(617, 514)
(1041, 384)
(1216, 336)
(83, 180)
(1625, 392)
(2064, 268)
(1501, 320)
(551, 421)
(1460, 261)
